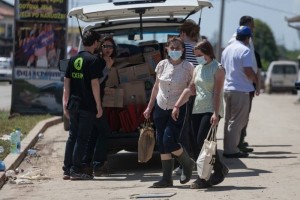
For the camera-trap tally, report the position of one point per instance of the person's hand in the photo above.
(175, 113)
(109, 61)
(257, 91)
(214, 120)
(66, 112)
(99, 112)
(147, 113)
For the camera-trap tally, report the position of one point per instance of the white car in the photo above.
(6, 69)
(281, 76)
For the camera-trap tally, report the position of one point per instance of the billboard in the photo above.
(40, 42)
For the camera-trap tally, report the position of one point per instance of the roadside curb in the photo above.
(12, 161)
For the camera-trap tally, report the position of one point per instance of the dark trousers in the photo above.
(168, 130)
(96, 153)
(81, 123)
(187, 135)
(201, 125)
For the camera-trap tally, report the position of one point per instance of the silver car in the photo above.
(6, 69)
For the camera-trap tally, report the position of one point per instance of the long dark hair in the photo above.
(110, 39)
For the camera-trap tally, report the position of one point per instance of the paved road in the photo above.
(271, 172)
(5, 96)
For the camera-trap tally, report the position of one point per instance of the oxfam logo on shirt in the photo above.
(78, 63)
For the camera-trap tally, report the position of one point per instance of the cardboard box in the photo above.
(113, 97)
(134, 92)
(153, 58)
(113, 79)
(141, 71)
(126, 75)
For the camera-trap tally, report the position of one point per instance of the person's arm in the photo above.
(250, 74)
(105, 73)
(66, 95)
(96, 92)
(151, 103)
(108, 64)
(218, 88)
(258, 86)
(185, 95)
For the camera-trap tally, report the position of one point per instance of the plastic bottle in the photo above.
(15, 141)
(2, 164)
(19, 133)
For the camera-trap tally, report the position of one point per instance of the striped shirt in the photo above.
(173, 79)
(189, 54)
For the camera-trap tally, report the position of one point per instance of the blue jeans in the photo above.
(81, 124)
(168, 130)
(96, 153)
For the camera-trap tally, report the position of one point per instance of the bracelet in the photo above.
(176, 107)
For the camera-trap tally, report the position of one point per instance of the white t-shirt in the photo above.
(251, 46)
(235, 57)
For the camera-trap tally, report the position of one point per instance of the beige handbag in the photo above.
(146, 142)
(206, 158)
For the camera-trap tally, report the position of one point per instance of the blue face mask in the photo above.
(175, 55)
(201, 60)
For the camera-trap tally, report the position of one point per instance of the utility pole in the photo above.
(220, 38)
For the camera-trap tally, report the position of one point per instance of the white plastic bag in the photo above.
(206, 158)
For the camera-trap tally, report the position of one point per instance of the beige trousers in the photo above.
(236, 117)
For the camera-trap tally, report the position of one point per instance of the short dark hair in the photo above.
(89, 37)
(245, 20)
(175, 40)
(242, 38)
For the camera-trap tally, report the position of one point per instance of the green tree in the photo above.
(264, 43)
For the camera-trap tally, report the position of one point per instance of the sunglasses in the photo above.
(106, 46)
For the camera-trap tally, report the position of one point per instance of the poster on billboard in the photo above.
(41, 10)
(40, 43)
(37, 91)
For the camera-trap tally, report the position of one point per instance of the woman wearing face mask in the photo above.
(207, 85)
(173, 75)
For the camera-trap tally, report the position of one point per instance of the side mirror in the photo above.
(63, 64)
(297, 85)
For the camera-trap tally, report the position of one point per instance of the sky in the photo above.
(271, 12)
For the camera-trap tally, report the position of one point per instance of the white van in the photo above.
(281, 76)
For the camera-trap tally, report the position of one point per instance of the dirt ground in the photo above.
(270, 172)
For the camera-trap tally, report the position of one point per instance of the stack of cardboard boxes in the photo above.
(129, 86)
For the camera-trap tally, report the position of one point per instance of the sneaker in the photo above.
(177, 171)
(246, 144)
(80, 176)
(66, 175)
(246, 149)
(101, 170)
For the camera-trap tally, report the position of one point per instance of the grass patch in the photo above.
(24, 122)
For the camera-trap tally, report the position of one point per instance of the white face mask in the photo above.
(201, 60)
(175, 55)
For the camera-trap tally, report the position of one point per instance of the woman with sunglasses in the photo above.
(207, 85)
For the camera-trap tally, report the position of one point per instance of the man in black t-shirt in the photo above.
(81, 103)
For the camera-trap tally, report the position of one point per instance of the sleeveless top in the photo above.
(204, 83)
